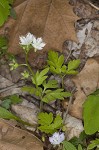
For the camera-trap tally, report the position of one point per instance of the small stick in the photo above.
(36, 102)
(94, 6)
(70, 102)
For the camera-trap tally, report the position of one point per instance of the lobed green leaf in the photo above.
(57, 122)
(72, 72)
(40, 77)
(32, 90)
(74, 64)
(68, 146)
(48, 124)
(94, 143)
(50, 84)
(56, 94)
(45, 118)
(56, 62)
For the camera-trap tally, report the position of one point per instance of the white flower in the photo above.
(57, 138)
(38, 44)
(26, 40)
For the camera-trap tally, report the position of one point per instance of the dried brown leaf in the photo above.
(51, 19)
(74, 127)
(12, 138)
(26, 113)
(87, 81)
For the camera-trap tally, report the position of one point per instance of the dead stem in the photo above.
(41, 106)
(70, 102)
(92, 5)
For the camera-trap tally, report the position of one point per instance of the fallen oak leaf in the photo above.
(51, 19)
(17, 139)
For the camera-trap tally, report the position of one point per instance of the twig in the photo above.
(94, 6)
(17, 85)
(36, 102)
(69, 53)
(69, 104)
(68, 56)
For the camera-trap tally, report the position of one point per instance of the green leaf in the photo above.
(74, 64)
(60, 61)
(40, 77)
(55, 62)
(51, 84)
(46, 129)
(94, 143)
(3, 42)
(91, 114)
(68, 146)
(56, 94)
(10, 1)
(48, 124)
(57, 122)
(15, 99)
(5, 114)
(80, 147)
(52, 57)
(63, 69)
(72, 72)
(45, 118)
(3, 45)
(32, 90)
(79, 140)
(4, 10)
(28, 89)
(55, 70)
(6, 103)
(38, 92)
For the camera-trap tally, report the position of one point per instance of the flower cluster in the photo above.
(25, 75)
(57, 138)
(13, 65)
(31, 40)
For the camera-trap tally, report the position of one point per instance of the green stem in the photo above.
(22, 65)
(30, 69)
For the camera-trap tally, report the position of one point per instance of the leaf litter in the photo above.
(55, 23)
(87, 35)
